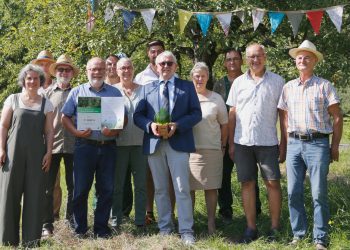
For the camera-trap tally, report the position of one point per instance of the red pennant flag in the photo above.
(315, 18)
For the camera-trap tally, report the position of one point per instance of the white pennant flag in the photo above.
(225, 21)
(109, 13)
(336, 15)
(295, 20)
(240, 15)
(257, 16)
(148, 15)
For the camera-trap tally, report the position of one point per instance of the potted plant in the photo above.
(162, 119)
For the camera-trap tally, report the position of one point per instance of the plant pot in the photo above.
(163, 130)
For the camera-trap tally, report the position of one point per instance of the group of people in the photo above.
(207, 132)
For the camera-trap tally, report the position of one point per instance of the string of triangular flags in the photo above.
(205, 18)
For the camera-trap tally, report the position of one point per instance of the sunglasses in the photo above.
(169, 64)
(67, 70)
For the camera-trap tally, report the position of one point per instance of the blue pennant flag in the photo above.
(275, 20)
(128, 17)
(204, 21)
(93, 5)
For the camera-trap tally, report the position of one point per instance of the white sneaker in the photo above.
(188, 239)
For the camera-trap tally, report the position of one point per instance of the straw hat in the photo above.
(43, 56)
(306, 46)
(63, 60)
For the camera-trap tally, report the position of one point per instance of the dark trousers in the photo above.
(50, 184)
(128, 196)
(93, 161)
(225, 199)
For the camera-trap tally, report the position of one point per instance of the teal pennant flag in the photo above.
(204, 21)
(275, 20)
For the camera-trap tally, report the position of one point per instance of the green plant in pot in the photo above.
(162, 119)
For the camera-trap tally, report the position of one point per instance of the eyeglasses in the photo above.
(259, 56)
(169, 64)
(125, 68)
(97, 70)
(234, 59)
(67, 70)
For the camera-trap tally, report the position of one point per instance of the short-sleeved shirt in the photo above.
(307, 105)
(63, 139)
(10, 102)
(207, 133)
(256, 108)
(85, 90)
(146, 76)
(131, 134)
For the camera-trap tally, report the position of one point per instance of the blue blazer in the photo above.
(186, 113)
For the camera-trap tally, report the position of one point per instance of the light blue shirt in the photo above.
(85, 90)
(256, 108)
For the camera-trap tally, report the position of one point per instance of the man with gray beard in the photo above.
(64, 70)
(94, 153)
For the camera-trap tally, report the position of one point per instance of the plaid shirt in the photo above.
(307, 105)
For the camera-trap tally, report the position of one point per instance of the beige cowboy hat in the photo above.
(63, 60)
(306, 46)
(43, 56)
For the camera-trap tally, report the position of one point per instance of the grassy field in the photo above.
(132, 238)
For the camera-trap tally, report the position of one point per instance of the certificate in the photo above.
(96, 113)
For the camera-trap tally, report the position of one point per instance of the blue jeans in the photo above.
(312, 156)
(88, 161)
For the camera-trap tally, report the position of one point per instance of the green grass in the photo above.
(131, 238)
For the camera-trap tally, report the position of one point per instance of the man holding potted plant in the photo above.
(176, 98)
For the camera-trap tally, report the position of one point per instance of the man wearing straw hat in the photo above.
(308, 103)
(44, 60)
(64, 70)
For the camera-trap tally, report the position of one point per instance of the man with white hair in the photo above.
(253, 142)
(179, 100)
(308, 103)
(94, 153)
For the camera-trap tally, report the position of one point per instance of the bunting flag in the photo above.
(90, 20)
(336, 15)
(257, 15)
(295, 20)
(109, 13)
(93, 5)
(204, 18)
(240, 15)
(225, 21)
(184, 17)
(148, 15)
(128, 17)
(275, 20)
(315, 18)
(204, 21)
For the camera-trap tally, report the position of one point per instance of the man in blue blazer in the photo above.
(172, 154)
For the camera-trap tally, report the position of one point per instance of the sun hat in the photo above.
(43, 56)
(63, 60)
(306, 46)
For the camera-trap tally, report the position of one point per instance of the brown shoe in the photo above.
(149, 219)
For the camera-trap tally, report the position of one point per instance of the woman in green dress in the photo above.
(26, 136)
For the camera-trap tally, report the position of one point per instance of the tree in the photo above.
(27, 27)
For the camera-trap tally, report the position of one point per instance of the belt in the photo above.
(308, 137)
(97, 143)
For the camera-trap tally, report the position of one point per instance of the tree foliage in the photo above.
(27, 27)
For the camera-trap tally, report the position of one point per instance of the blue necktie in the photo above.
(165, 97)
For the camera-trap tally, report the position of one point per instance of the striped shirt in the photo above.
(256, 108)
(307, 105)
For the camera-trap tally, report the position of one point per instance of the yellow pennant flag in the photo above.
(184, 17)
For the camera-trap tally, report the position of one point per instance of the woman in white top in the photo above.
(26, 137)
(210, 136)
